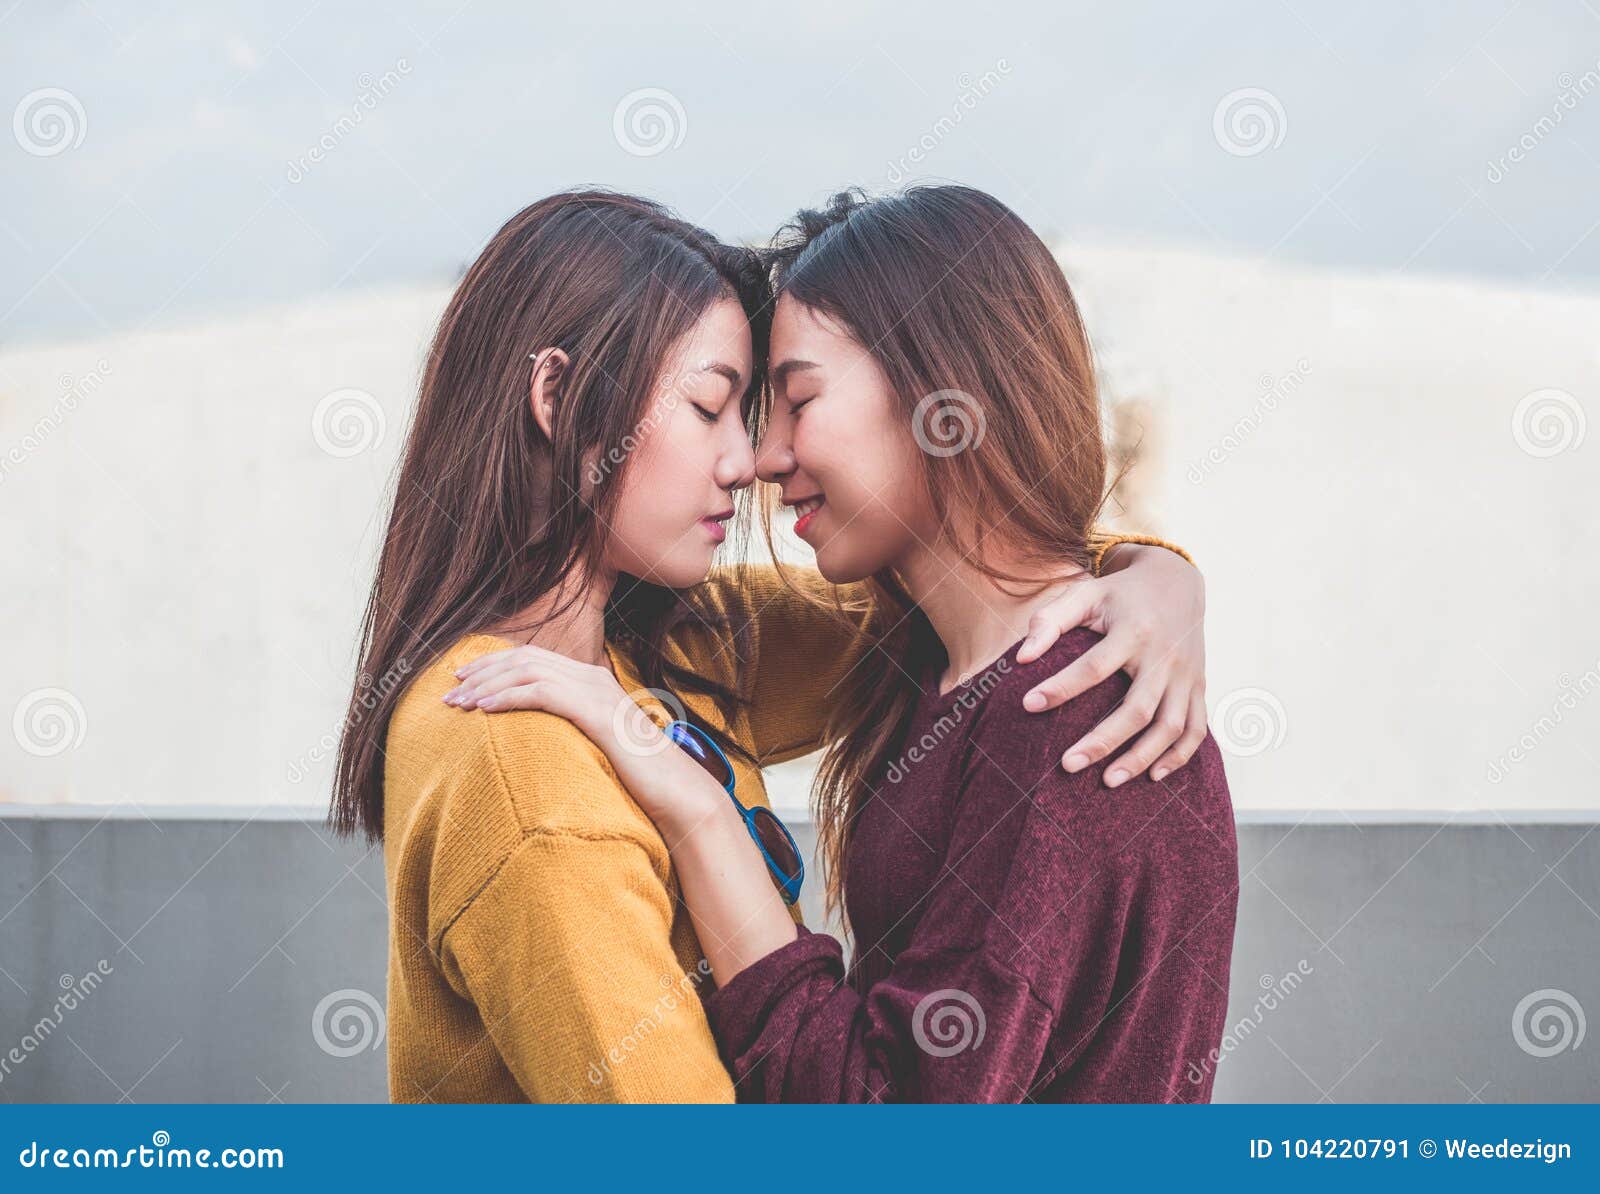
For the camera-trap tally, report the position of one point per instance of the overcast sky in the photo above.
(163, 164)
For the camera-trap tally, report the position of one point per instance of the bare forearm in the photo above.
(737, 911)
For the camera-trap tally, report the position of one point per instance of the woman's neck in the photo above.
(577, 631)
(974, 616)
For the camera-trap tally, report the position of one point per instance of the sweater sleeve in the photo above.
(567, 955)
(1101, 541)
(806, 648)
(1015, 951)
(810, 636)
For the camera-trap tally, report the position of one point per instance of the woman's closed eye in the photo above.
(706, 416)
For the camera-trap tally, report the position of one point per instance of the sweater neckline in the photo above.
(1001, 665)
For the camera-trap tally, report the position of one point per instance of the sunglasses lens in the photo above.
(775, 838)
(697, 749)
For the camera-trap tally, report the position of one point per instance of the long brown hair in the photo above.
(489, 515)
(973, 323)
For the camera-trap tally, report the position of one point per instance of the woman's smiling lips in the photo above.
(713, 525)
(807, 509)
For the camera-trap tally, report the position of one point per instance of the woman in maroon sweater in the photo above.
(1021, 932)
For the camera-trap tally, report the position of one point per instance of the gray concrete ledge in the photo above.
(216, 954)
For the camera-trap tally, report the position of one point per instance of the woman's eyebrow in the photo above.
(781, 371)
(734, 377)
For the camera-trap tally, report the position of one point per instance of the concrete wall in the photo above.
(197, 949)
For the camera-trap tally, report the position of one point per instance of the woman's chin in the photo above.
(837, 566)
(682, 570)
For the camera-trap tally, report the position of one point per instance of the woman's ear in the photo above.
(549, 374)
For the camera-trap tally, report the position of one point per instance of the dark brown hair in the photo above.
(972, 321)
(488, 514)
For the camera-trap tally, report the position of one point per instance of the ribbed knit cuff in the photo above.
(1143, 540)
(738, 1009)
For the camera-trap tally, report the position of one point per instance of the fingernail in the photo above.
(1159, 774)
(484, 703)
(1077, 762)
(460, 671)
(1115, 777)
(1034, 702)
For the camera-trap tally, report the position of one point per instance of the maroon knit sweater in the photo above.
(1022, 933)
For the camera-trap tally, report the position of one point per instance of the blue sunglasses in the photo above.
(771, 836)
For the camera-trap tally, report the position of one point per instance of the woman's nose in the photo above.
(774, 458)
(736, 468)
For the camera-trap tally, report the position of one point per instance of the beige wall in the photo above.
(1401, 583)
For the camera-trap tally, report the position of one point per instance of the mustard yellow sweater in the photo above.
(538, 945)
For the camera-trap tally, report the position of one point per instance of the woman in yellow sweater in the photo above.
(584, 423)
